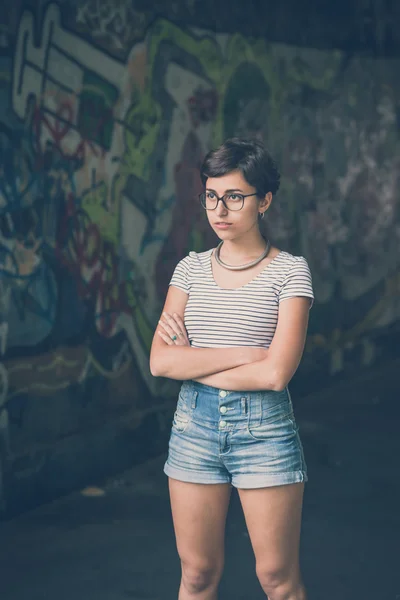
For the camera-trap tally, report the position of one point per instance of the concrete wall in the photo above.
(105, 116)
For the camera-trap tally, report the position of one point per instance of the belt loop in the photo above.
(244, 405)
(194, 399)
(260, 408)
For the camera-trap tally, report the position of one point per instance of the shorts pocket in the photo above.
(184, 410)
(181, 421)
(279, 428)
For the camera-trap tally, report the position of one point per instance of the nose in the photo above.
(221, 209)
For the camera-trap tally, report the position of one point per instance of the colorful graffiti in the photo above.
(100, 148)
(115, 23)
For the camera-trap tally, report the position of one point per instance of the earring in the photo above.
(261, 215)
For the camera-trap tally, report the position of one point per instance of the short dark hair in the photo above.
(250, 157)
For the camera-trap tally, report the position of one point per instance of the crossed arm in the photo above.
(236, 369)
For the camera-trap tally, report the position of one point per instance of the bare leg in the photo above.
(273, 518)
(199, 516)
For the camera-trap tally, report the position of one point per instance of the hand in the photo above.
(173, 326)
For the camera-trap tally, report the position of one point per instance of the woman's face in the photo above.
(229, 224)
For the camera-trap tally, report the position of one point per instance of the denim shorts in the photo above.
(247, 439)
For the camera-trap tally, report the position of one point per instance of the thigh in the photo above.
(199, 515)
(273, 518)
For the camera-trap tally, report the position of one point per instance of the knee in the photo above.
(197, 578)
(276, 581)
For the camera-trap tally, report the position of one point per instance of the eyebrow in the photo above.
(226, 191)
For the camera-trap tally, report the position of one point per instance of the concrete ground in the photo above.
(121, 545)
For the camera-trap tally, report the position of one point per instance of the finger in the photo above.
(166, 338)
(170, 332)
(178, 326)
(172, 323)
(167, 328)
(181, 324)
(181, 341)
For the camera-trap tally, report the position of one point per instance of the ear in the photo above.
(265, 202)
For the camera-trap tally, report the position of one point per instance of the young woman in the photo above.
(233, 329)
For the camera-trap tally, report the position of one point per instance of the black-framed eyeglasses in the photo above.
(232, 201)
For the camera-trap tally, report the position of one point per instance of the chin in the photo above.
(228, 235)
(224, 235)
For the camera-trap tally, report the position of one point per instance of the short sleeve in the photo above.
(298, 281)
(180, 277)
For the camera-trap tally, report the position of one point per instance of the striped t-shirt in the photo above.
(216, 317)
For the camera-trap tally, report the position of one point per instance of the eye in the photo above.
(210, 195)
(235, 197)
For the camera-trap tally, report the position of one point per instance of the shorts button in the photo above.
(222, 424)
(223, 393)
(223, 409)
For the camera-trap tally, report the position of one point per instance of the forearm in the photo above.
(185, 362)
(260, 375)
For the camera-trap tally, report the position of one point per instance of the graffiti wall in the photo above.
(101, 138)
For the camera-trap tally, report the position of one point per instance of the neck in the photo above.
(243, 249)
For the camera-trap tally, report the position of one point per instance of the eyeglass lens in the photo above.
(232, 201)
